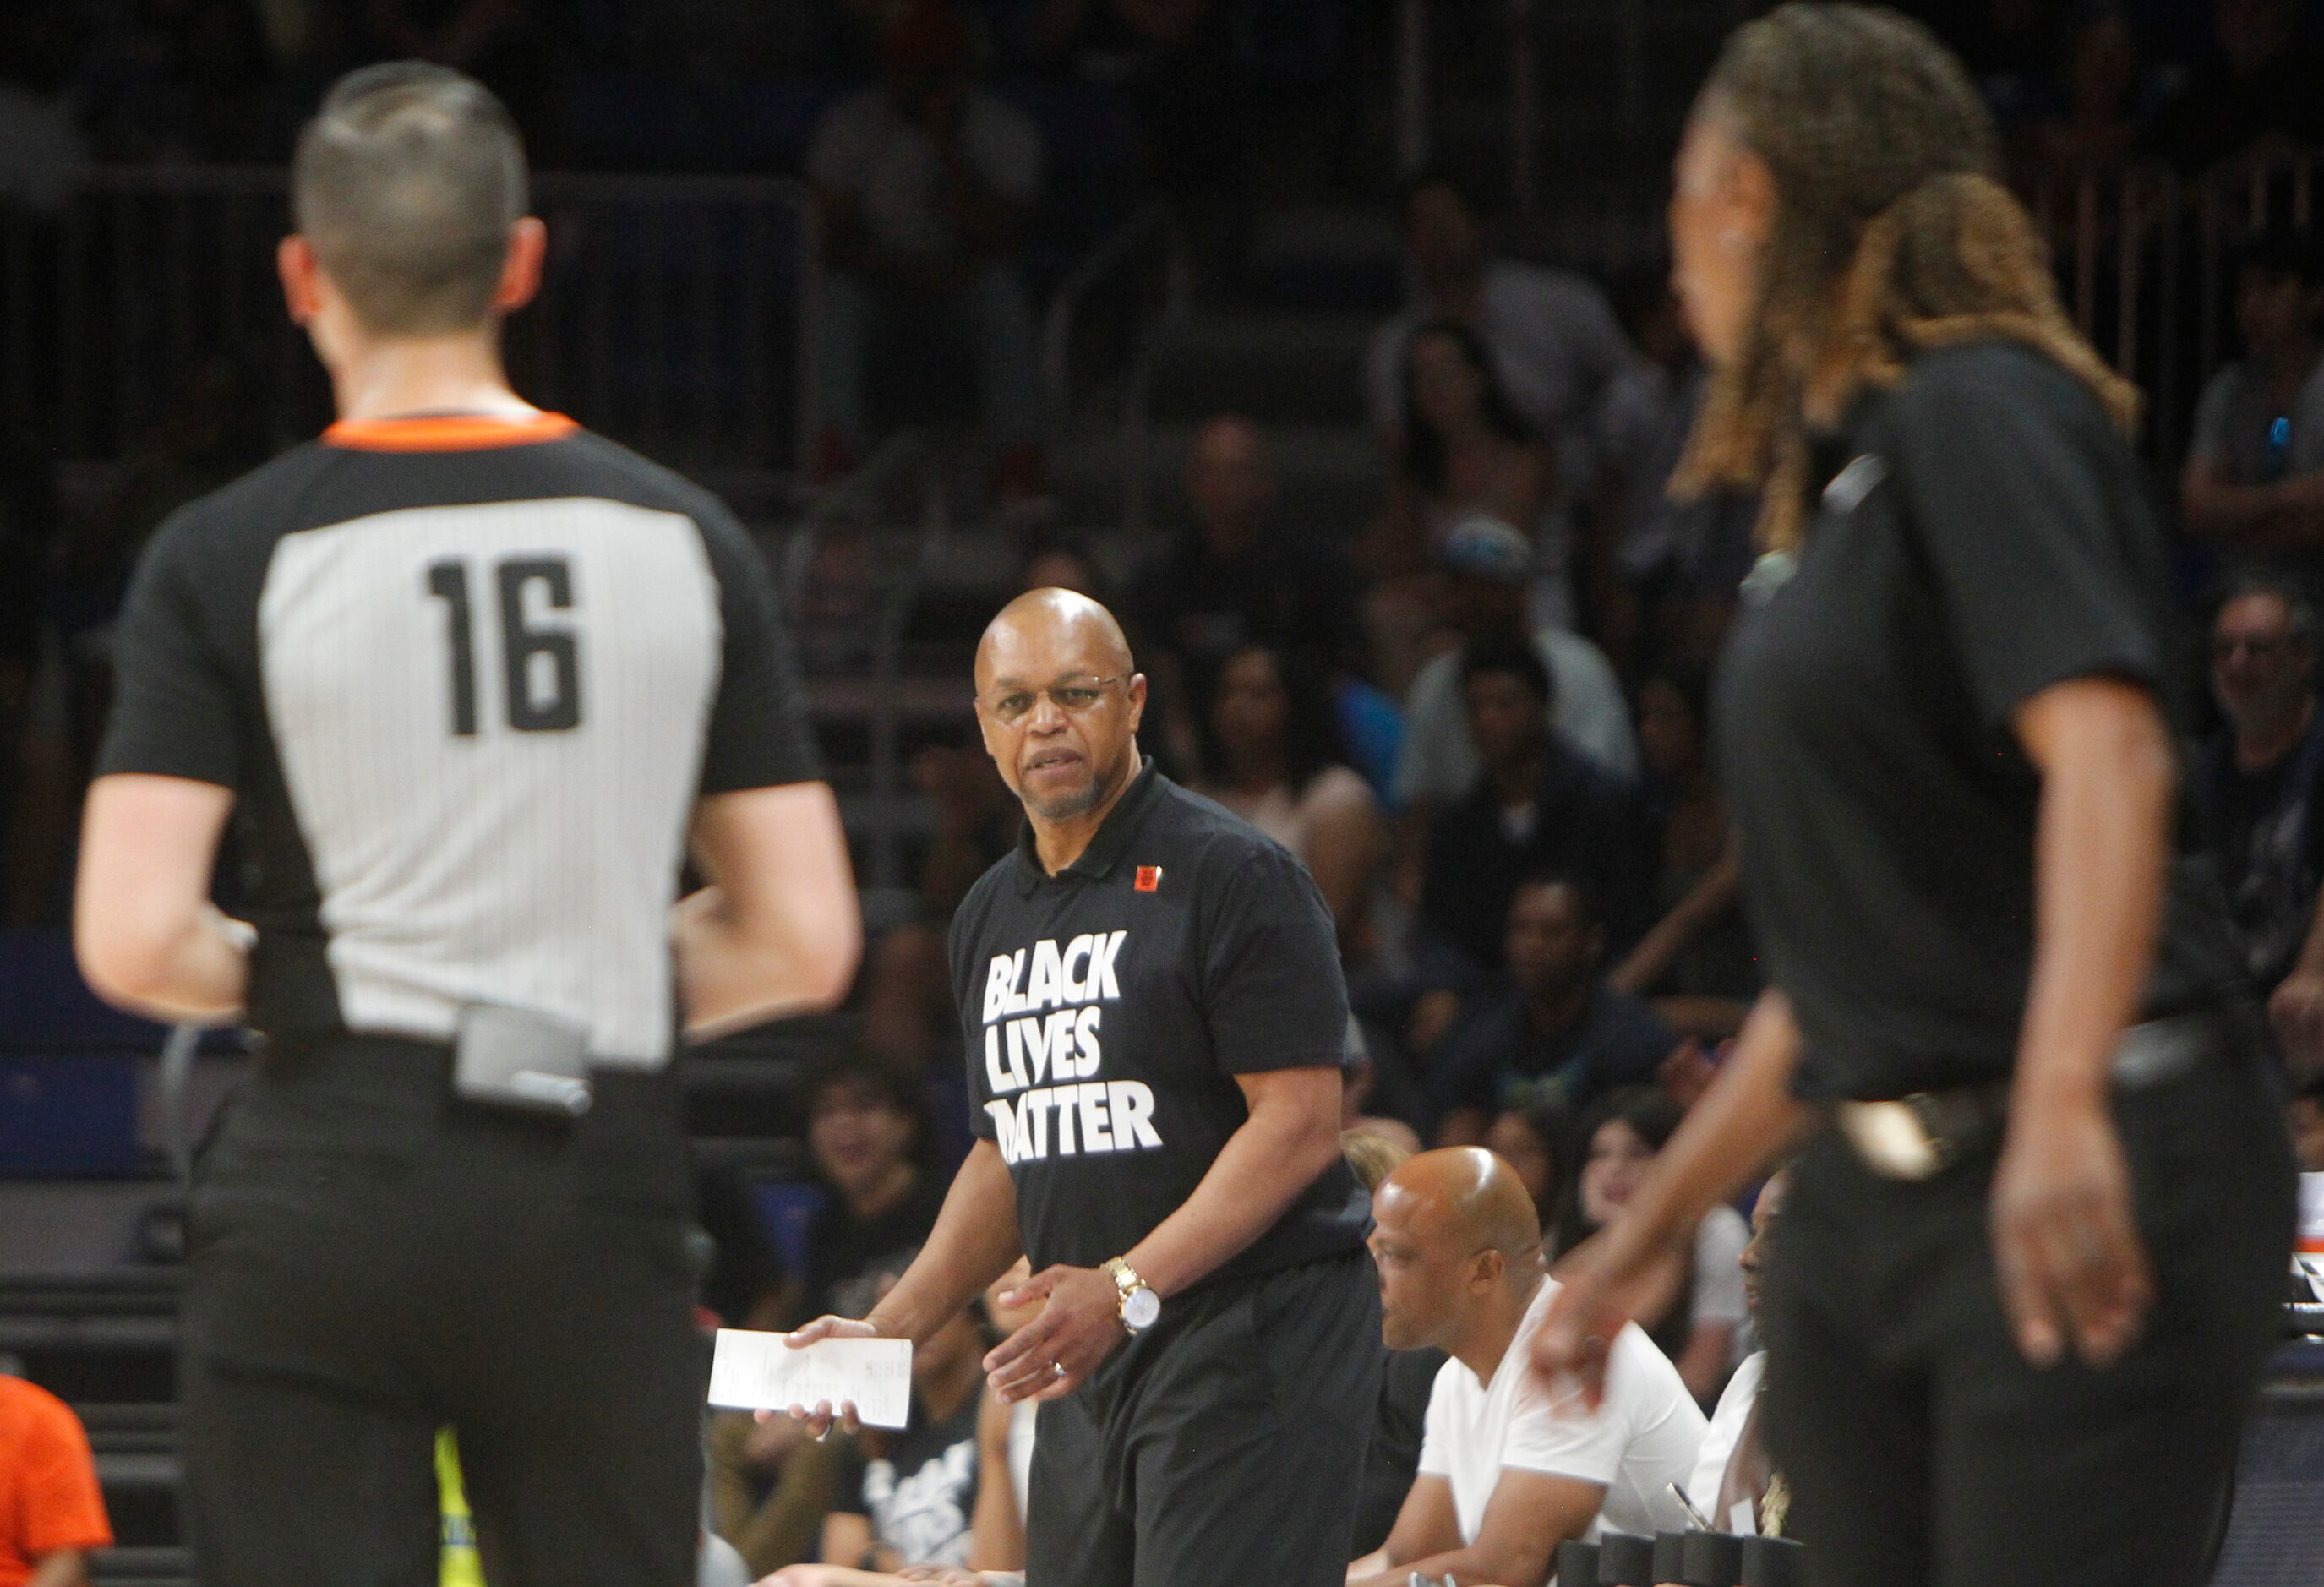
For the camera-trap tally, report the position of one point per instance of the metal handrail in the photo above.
(1119, 247)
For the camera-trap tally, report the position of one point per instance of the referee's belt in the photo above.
(1918, 1137)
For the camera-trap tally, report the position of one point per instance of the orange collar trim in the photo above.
(447, 433)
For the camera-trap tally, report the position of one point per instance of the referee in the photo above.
(1151, 1002)
(471, 683)
(2029, 1271)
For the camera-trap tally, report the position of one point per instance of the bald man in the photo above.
(1509, 1466)
(1151, 1003)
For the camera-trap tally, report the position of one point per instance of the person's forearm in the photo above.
(197, 974)
(734, 973)
(66, 1567)
(975, 1240)
(2099, 860)
(1462, 1565)
(1711, 895)
(1745, 1121)
(1264, 1167)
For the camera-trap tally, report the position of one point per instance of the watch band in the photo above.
(1125, 1277)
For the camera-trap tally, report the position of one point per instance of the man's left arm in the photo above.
(1528, 1516)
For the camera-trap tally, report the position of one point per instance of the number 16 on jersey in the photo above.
(541, 660)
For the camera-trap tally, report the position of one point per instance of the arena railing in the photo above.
(2146, 264)
(670, 317)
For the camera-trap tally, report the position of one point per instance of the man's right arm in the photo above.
(973, 1242)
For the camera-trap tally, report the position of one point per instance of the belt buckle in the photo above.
(1894, 1139)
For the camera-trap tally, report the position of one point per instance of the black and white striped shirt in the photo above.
(466, 679)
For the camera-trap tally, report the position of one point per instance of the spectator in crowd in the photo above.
(910, 1498)
(1406, 1378)
(1278, 762)
(1373, 1102)
(2253, 100)
(1538, 807)
(1511, 1465)
(1549, 334)
(1550, 1033)
(2095, 127)
(52, 1515)
(1535, 1142)
(1467, 450)
(1234, 578)
(1697, 962)
(1699, 1325)
(2253, 477)
(2255, 791)
(924, 182)
(1733, 1468)
(866, 1132)
(1485, 565)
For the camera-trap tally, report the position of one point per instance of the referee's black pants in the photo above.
(369, 1259)
(1224, 1447)
(1923, 1451)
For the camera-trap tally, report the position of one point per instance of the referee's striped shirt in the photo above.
(466, 678)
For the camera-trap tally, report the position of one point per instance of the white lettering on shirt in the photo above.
(1043, 1024)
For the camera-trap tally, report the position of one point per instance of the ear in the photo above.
(1134, 691)
(527, 256)
(1487, 1269)
(303, 277)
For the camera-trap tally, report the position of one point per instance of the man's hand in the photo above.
(2071, 1267)
(2296, 1010)
(820, 1416)
(1605, 1282)
(1079, 1324)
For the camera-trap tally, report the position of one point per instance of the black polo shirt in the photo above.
(1107, 1009)
(1982, 532)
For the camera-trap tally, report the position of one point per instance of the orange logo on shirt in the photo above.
(1149, 879)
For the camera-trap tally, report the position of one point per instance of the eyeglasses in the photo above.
(1073, 696)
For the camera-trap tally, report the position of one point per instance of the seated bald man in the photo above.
(1151, 1004)
(1509, 1466)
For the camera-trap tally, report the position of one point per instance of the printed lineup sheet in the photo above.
(757, 1371)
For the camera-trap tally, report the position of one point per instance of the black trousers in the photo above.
(369, 1259)
(1226, 1446)
(1922, 1450)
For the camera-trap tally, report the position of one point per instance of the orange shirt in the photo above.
(49, 1497)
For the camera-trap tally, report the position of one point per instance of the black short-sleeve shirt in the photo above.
(466, 678)
(1107, 1009)
(1982, 532)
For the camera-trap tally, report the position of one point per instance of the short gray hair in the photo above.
(406, 184)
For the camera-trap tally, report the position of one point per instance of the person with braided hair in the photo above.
(2035, 1234)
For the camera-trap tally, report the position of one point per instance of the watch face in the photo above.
(1141, 1309)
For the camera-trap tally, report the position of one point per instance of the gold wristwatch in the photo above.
(1141, 1308)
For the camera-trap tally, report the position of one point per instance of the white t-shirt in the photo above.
(865, 147)
(1642, 1437)
(1726, 1430)
(1438, 760)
